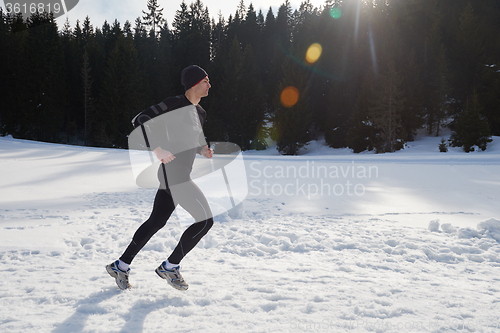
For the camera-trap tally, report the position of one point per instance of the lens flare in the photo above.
(289, 96)
(313, 53)
(335, 12)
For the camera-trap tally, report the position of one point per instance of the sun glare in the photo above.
(335, 12)
(313, 53)
(289, 96)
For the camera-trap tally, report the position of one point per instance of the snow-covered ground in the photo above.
(328, 241)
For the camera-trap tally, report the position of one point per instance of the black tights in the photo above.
(193, 201)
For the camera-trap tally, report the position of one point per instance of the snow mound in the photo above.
(434, 226)
(467, 233)
(448, 228)
(488, 228)
(491, 227)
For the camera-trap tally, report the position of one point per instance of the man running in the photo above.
(175, 140)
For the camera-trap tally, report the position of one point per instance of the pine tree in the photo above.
(120, 97)
(442, 89)
(238, 98)
(491, 99)
(437, 76)
(224, 108)
(469, 52)
(148, 53)
(283, 26)
(6, 65)
(413, 89)
(387, 109)
(165, 79)
(218, 38)
(268, 56)
(44, 94)
(199, 41)
(362, 135)
(240, 11)
(250, 114)
(181, 21)
(443, 146)
(471, 127)
(87, 30)
(153, 18)
(191, 35)
(292, 122)
(250, 30)
(127, 29)
(71, 40)
(16, 73)
(88, 100)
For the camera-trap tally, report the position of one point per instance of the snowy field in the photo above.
(328, 241)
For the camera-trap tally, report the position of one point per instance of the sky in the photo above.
(123, 10)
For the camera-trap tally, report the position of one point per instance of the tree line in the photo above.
(363, 74)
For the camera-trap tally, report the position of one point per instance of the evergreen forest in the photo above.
(363, 74)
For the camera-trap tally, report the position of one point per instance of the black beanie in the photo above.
(192, 75)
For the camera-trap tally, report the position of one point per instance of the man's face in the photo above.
(201, 89)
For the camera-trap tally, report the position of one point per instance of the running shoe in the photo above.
(173, 277)
(121, 277)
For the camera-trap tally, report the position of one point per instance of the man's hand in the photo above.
(207, 152)
(164, 155)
